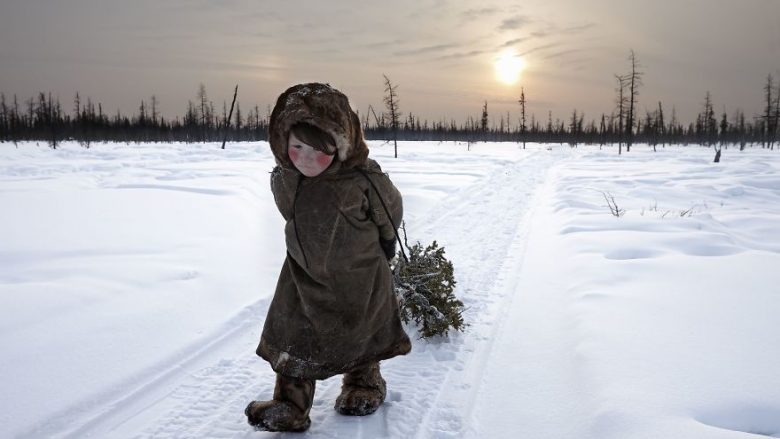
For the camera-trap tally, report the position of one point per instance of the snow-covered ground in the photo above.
(134, 281)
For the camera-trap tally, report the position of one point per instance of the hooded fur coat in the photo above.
(334, 308)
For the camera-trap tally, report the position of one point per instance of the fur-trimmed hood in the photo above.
(324, 107)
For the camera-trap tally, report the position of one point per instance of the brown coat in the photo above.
(334, 308)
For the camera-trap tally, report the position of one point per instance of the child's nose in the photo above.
(312, 154)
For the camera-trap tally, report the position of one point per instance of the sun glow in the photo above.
(508, 67)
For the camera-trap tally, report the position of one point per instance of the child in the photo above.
(334, 310)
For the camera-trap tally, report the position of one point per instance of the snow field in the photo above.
(666, 316)
(176, 322)
(134, 281)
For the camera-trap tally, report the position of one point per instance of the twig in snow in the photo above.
(612, 204)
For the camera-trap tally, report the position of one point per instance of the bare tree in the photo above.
(77, 107)
(575, 127)
(239, 117)
(651, 127)
(777, 115)
(142, 113)
(634, 81)
(14, 123)
(391, 103)
(4, 118)
(660, 126)
(46, 115)
(204, 102)
(191, 116)
(379, 122)
(708, 126)
(768, 118)
(483, 125)
(740, 122)
(522, 115)
(229, 116)
(155, 114)
(602, 131)
(771, 115)
(621, 107)
(723, 135)
(549, 125)
(211, 119)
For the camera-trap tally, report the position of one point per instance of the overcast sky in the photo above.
(441, 53)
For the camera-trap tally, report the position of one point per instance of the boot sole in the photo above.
(261, 425)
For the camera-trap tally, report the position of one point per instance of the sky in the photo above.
(442, 54)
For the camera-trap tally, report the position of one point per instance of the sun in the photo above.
(508, 67)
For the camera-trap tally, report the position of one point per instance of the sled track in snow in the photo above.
(495, 227)
(482, 227)
(103, 413)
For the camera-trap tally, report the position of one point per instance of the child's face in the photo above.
(306, 159)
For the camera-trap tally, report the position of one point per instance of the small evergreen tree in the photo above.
(424, 285)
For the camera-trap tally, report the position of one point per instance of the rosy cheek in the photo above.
(324, 160)
(294, 154)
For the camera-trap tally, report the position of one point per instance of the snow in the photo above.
(134, 281)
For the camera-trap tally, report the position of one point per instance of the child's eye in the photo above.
(296, 146)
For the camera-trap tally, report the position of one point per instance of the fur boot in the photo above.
(362, 391)
(288, 411)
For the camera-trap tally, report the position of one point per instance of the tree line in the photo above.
(623, 126)
(43, 117)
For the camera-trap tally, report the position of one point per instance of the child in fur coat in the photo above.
(334, 310)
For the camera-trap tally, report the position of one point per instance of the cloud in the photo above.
(381, 44)
(513, 42)
(550, 30)
(189, 63)
(554, 30)
(572, 58)
(514, 23)
(437, 7)
(577, 29)
(540, 48)
(427, 49)
(473, 14)
(561, 53)
(461, 55)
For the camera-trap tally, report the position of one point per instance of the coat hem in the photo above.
(287, 364)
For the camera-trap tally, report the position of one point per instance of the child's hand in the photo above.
(388, 246)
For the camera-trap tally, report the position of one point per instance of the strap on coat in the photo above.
(387, 211)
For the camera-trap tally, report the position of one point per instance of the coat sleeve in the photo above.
(384, 190)
(284, 183)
